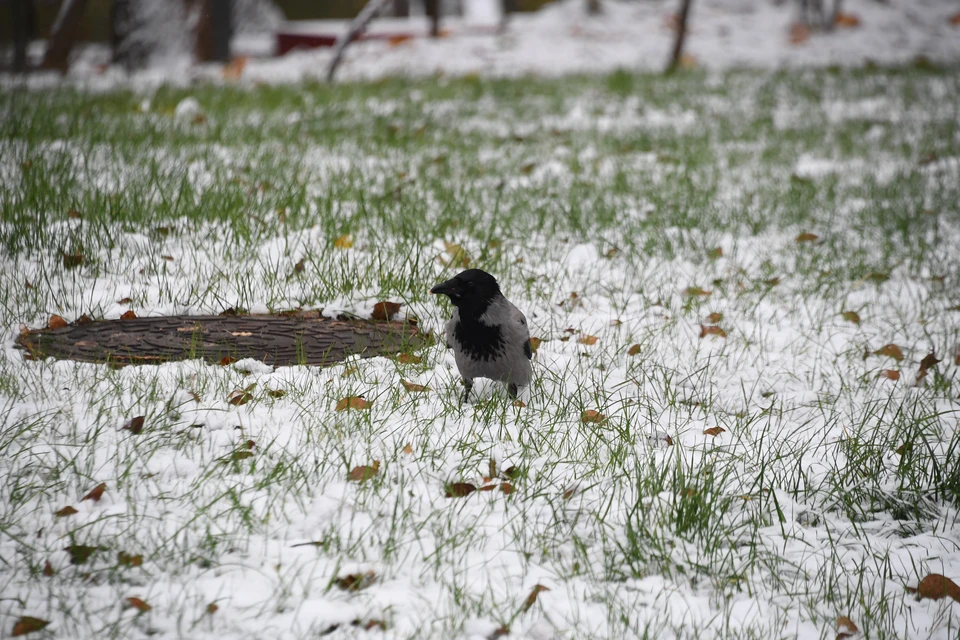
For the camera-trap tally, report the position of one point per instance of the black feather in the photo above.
(478, 340)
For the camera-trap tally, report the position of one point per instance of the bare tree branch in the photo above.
(358, 25)
(63, 34)
(681, 35)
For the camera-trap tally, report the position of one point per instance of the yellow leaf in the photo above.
(343, 242)
(591, 416)
(352, 402)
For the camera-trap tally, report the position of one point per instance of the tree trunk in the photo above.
(63, 35)
(433, 12)
(401, 8)
(681, 35)
(20, 23)
(213, 31)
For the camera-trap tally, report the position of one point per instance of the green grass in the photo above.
(829, 490)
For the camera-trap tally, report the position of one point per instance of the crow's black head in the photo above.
(471, 291)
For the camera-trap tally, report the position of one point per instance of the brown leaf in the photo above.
(587, 339)
(128, 315)
(936, 587)
(239, 397)
(929, 361)
(506, 487)
(846, 627)
(510, 472)
(133, 425)
(56, 322)
(129, 560)
(356, 581)
(234, 69)
(237, 456)
(955, 19)
(47, 569)
(96, 493)
(498, 633)
(84, 319)
(569, 493)
(138, 604)
(847, 21)
(807, 237)
(591, 416)
(459, 489)
(487, 487)
(298, 268)
(536, 342)
(904, 449)
(878, 277)
(343, 242)
(407, 449)
(72, 260)
(80, 553)
(352, 402)
(364, 472)
(27, 624)
(714, 318)
(532, 598)
(73, 213)
(276, 393)
(851, 316)
(799, 33)
(384, 311)
(890, 374)
(633, 350)
(890, 350)
(458, 255)
(66, 511)
(519, 403)
(408, 358)
(696, 292)
(715, 253)
(167, 258)
(413, 388)
(212, 608)
(714, 431)
(711, 330)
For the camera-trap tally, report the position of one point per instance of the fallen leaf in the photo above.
(80, 553)
(300, 266)
(72, 260)
(799, 33)
(344, 242)
(851, 316)
(510, 472)
(633, 350)
(878, 277)
(84, 319)
(506, 487)
(234, 69)
(846, 21)
(929, 361)
(591, 416)
(276, 393)
(408, 358)
(891, 350)
(134, 425)
(569, 493)
(364, 472)
(890, 374)
(47, 569)
(458, 255)
(237, 456)
(167, 258)
(519, 403)
(398, 39)
(73, 213)
(384, 311)
(407, 449)
(714, 318)
(536, 342)
(715, 253)
(955, 19)
(212, 608)
(498, 633)
(714, 431)
(96, 493)
(138, 604)
(936, 587)
(532, 598)
(904, 449)
(459, 489)
(587, 339)
(128, 315)
(352, 402)
(697, 292)
(66, 511)
(356, 581)
(956, 358)
(711, 330)
(807, 237)
(56, 322)
(239, 397)
(487, 487)
(129, 560)
(27, 624)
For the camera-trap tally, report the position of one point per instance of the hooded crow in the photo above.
(488, 335)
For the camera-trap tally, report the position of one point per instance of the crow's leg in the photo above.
(467, 386)
(512, 390)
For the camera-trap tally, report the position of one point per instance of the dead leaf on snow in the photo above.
(714, 318)
(384, 311)
(28, 624)
(457, 256)
(714, 431)
(407, 449)
(66, 511)
(633, 350)
(696, 292)
(128, 315)
(715, 253)
(890, 350)
(356, 581)
(807, 237)
(212, 608)
(459, 489)
(129, 559)
(413, 387)
(587, 339)
(929, 361)
(711, 330)
(936, 587)
(532, 598)
(80, 553)
(47, 569)
(535, 344)
(845, 627)
(239, 397)
(56, 322)
(276, 393)
(363, 473)
(343, 242)
(72, 260)
(96, 493)
(592, 417)
(138, 604)
(890, 374)
(851, 316)
(352, 402)
(846, 21)
(408, 358)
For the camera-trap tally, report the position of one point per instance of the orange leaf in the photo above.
(890, 374)
(519, 403)
(587, 339)
(845, 626)
(633, 350)
(591, 416)
(714, 431)
(352, 402)
(27, 624)
(532, 598)
(407, 449)
(807, 237)
(506, 487)
(569, 493)
(536, 342)
(714, 318)
(124, 301)
(847, 21)
(364, 473)
(227, 360)
(459, 489)
(212, 608)
(234, 69)
(56, 322)
(935, 587)
(128, 315)
(66, 511)
(711, 330)
(96, 493)
(343, 242)
(799, 33)
(891, 350)
(413, 388)
(399, 39)
(408, 358)
(384, 311)
(139, 605)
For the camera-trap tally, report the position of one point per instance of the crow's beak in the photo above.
(450, 288)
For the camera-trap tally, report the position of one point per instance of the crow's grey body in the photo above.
(489, 335)
(508, 362)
